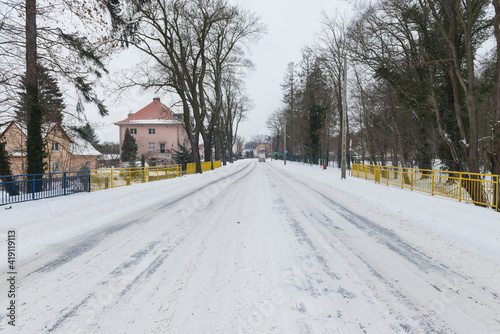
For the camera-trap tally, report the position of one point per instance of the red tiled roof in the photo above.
(153, 111)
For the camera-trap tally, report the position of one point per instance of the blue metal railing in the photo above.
(22, 188)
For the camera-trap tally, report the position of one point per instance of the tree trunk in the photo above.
(35, 146)
(196, 153)
(495, 155)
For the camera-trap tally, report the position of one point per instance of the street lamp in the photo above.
(284, 145)
(343, 125)
(344, 122)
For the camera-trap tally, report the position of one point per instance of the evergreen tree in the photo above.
(50, 98)
(12, 189)
(4, 160)
(183, 156)
(129, 150)
(87, 132)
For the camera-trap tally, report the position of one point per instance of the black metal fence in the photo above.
(22, 188)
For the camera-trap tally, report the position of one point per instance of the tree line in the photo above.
(194, 49)
(423, 86)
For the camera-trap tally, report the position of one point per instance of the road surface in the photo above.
(252, 249)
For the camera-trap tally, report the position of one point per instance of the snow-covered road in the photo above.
(254, 248)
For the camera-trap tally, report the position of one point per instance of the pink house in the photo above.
(157, 132)
(66, 150)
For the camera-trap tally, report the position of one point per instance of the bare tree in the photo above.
(276, 123)
(227, 61)
(470, 17)
(186, 44)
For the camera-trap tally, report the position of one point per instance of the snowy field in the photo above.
(253, 248)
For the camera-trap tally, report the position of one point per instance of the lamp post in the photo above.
(284, 145)
(343, 124)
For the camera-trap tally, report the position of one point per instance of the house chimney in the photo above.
(156, 99)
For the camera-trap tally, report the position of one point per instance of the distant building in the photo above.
(67, 151)
(263, 147)
(108, 161)
(157, 130)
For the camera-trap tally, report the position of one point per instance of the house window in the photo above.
(152, 146)
(56, 166)
(151, 131)
(133, 131)
(55, 147)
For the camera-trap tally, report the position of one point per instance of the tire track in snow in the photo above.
(424, 323)
(67, 315)
(452, 287)
(382, 234)
(81, 247)
(154, 265)
(86, 245)
(95, 238)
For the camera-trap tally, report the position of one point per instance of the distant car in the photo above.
(262, 157)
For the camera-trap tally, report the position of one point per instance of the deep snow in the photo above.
(254, 248)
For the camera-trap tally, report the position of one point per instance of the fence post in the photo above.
(498, 193)
(90, 183)
(432, 190)
(111, 178)
(402, 177)
(460, 188)
(64, 183)
(33, 188)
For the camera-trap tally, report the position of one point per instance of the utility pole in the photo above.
(284, 144)
(344, 122)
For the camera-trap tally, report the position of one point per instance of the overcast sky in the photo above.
(291, 25)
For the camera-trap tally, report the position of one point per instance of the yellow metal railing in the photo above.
(205, 166)
(481, 189)
(117, 177)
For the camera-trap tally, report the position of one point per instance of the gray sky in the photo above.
(291, 25)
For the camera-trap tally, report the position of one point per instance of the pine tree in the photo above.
(50, 98)
(87, 132)
(11, 188)
(4, 160)
(183, 156)
(129, 150)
